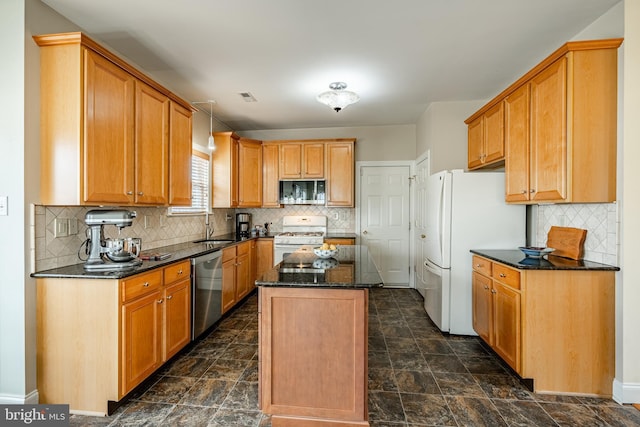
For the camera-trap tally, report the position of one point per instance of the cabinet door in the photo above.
(482, 308)
(264, 256)
(290, 161)
(340, 174)
(249, 173)
(517, 145)
(313, 160)
(228, 278)
(180, 155)
(475, 143)
(506, 318)
(548, 133)
(270, 176)
(243, 271)
(108, 140)
(141, 339)
(224, 171)
(177, 318)
(152, 146)
(494, 134)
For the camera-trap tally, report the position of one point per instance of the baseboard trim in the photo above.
(626, 392)
(30, 399)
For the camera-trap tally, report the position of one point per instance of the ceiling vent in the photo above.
(248, 97)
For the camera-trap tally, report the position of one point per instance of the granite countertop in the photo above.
(352, 267)
(340, 235)
(179, 252)
(516, 259)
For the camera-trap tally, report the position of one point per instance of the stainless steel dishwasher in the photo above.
(206, 292)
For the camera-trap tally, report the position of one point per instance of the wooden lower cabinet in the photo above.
(313, 356)
(264, 256)
(555, 327)
(236, 274)
(97, 339)
(340, 241)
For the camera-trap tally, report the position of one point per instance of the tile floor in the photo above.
(417, 377)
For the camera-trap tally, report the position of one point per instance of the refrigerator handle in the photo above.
(431, 267)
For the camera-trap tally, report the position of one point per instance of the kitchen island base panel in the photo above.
(279, 421)
(313, 356)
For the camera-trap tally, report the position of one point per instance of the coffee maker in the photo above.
(243, 224)
(110, 254)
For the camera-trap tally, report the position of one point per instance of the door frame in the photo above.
(411, 164)
(426, 157)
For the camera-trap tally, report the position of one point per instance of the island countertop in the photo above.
(516, 259)
(352, 267)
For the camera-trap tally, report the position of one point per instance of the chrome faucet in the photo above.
(208, 229)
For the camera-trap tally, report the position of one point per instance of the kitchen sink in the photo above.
(215, 241)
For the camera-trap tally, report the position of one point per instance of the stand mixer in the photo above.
(110, 254)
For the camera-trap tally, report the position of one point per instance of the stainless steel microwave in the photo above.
(302, 192)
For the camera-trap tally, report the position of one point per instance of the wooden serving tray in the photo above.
(568, 242)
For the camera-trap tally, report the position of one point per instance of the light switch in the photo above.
(73, 226)
(60, 227)
(4, 208)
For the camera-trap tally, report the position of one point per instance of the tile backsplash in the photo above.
(599, 219)
(158, 229)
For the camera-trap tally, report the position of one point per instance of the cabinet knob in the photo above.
(160, 301)
(502, 275)
(486, 287)
(140, 193)
(364, 231)
(477, 265)
(129, 193)
(179, 272)
(169, 297)
(145, 284)
(532, 191)
(524, 191)
(493, 291)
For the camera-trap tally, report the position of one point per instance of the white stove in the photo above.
(298, 230)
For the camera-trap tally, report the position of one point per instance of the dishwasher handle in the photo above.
(206, 257)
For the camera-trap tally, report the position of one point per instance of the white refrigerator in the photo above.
(464, 210)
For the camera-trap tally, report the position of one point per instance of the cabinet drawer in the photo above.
(340, 241)
(228, 253)
(243, 248)
(506, 275)
(482, 265)
(176, 271)
(133, 287)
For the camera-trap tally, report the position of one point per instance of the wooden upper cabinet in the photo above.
(516, 118)
(152, 146)
(560, 122)
(486, 139)
(107, 167)
(270, 175)
(249, 173)
(548, 173)
(111, 122)
(340, 174)
(180, 129)
(302, 160)
(224, 174)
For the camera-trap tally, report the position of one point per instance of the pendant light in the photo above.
(212, 143)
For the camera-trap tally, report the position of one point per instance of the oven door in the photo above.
(280, 251)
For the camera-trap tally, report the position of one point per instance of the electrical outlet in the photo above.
(147, 221)
(60, 227)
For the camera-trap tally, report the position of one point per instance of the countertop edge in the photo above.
(503, 255)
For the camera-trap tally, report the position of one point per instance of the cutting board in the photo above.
(568, 242)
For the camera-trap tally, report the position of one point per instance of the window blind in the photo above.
(199, 186)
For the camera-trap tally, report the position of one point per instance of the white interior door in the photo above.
(385, 219)
(420, 223)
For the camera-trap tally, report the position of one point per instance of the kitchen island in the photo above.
(313, 324)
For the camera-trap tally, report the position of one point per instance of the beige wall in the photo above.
(442, 131)
(374, 143)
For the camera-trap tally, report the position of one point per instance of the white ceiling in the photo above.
(399, 55)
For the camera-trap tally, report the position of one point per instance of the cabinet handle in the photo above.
(169, 297)
(502, 275)
(160, 301)
(493, 291)
(486, 287)
(145, 284)
(179, 272)
(129, 193)
(532, 191)
(140, 193)
(477, 265)
(524, 191)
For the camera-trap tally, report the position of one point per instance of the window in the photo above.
(199, 186)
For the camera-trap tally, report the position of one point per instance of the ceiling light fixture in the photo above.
(211, 143)
(338, 98)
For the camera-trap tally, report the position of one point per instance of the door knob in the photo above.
(364, 232)
(422, 236)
